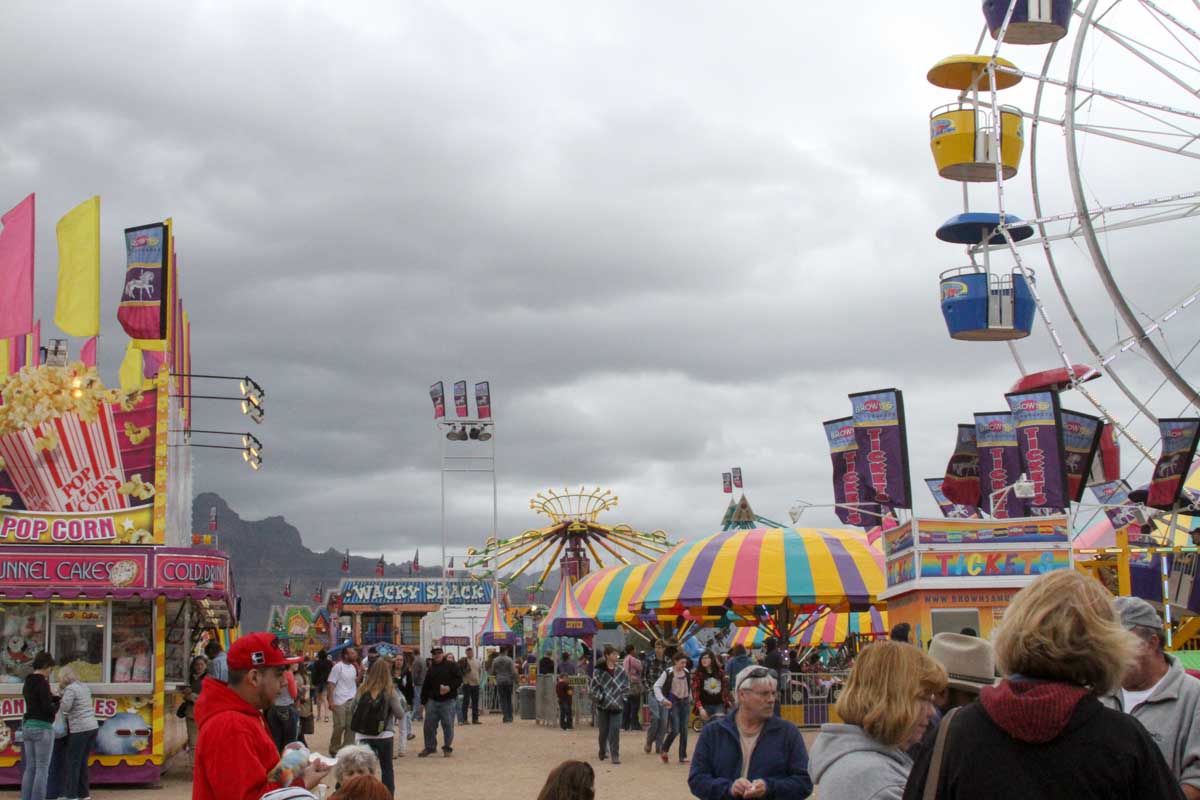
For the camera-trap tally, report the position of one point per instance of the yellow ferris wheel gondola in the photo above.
(966, 138)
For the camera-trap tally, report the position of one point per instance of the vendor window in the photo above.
(132, 641)
(77, 638)
(23, 626)
(954, 620)
(410, 629)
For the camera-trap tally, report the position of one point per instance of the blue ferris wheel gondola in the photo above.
(1032, 21)
(974, 226)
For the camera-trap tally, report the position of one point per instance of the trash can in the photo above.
(527, 698)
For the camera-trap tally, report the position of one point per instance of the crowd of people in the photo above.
(1067, 699)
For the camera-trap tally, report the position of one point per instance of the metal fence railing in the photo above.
(808, 698)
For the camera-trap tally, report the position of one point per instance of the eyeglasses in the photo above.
(751, 673)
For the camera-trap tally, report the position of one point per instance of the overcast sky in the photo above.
(673, 236)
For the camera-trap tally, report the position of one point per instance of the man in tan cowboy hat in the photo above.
(970, 665)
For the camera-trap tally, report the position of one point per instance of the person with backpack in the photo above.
(673, 690)
(376, 706)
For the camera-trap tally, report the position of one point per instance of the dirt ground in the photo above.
(521, 754)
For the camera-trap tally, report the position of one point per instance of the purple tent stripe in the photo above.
(852, 583)
(697, 579)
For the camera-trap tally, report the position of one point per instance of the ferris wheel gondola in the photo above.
(1128, 88)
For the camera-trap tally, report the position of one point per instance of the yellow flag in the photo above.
(3, 358)
(77, 311)
(131, 369)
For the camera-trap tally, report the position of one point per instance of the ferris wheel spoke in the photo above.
(1136, 48)
(1155, 326)
(1098, 92)
(1166, 15)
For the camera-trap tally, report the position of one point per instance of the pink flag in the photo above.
(87, 353)
(16, 270)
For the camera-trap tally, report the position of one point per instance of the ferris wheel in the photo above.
(1090, 233)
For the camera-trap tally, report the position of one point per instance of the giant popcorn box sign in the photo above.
(68, 465)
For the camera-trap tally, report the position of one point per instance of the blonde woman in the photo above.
(78, 709)
(885, 707)
(1042, 732)
(377, 706)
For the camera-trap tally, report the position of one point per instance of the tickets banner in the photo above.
(143, 310)
(882, 462)
(1081, 440)
(851, 507)
(999, 464)
(727, 482)
(737, 477)
(961, 483)
(949, 508)
(996, 564)
(1037, 418)
(1179, 437)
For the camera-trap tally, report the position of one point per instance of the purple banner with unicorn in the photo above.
(1081, 439)
(948, 507)
(143, 310)
(1179, 437)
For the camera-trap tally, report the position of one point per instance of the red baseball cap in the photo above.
(257, 650)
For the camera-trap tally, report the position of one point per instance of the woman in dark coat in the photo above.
(1042, 732)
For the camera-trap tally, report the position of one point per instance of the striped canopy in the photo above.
(566, 617)
(832, 628)
(495, 630)
(766, 566)
(605, 594)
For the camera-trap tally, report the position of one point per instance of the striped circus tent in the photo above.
(565, 616)
(605, 594)
(830, 627)
(800, 568)
(495, 630)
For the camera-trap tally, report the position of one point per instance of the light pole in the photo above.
(458, 430)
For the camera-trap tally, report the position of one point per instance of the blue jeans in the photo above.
(439, 711)
(417, 715)
(608, 723)
(680, 714)
(470, 697)
(37, 745)
(75, 766)
(54, 781)
(657, 730)
(504, 693)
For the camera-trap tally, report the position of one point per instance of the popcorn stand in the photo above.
(95, 559)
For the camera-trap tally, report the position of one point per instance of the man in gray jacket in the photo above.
(504, 672)
(1160, 695)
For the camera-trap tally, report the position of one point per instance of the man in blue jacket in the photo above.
(751, 753)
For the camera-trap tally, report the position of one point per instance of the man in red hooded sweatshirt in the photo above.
(234, 750)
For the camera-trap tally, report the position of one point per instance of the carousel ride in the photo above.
(1119, 80)
(575, 538)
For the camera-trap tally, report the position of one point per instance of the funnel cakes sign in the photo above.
(126, 570)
